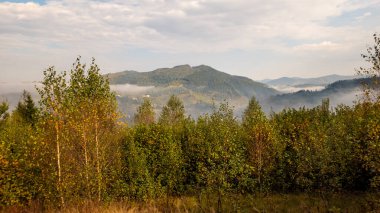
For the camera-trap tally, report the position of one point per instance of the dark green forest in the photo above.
(73, 146)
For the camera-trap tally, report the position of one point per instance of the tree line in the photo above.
(73, 146)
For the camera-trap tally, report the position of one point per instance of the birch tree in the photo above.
(52, 102)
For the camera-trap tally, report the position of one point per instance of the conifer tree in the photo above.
(145, 113)
(27, 109)
(173, 112)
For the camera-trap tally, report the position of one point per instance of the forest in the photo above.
(72, 148)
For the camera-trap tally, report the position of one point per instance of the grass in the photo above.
(331, 202)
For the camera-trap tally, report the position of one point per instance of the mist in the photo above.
(12, 92)
(289, 89)
(129, 89)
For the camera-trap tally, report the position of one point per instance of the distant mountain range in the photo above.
(339, 92)
(293, 81)
(201, 87)
(294, 84)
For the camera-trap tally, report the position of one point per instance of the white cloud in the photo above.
(100, 28)
(322, 46)
(174, 25)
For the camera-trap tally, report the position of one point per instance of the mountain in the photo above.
(202, 86)
(294, 84)
(199, 87)
(202, 78)
(339, 92)
(294, 81)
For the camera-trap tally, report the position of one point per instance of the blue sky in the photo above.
(253, 38)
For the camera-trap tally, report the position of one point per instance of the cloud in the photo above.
(168, 25)
(322, 46)
(61, 29)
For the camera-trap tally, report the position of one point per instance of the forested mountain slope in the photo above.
(339, 92)
(199, 87)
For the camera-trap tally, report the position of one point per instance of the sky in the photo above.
(258, 39)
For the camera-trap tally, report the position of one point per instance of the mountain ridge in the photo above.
(194, 78)
(338, 92)
(200, 87)
(322, 80)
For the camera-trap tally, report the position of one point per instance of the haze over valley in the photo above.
(202, 87)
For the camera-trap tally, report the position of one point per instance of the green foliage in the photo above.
(153, 162)
(78, 117)
(173, 112)
(304, 161)
(74, 148)
(357, 138)
(217, 152)
(21, 157)
(93, 114)
(145, 113)
(260, 142)
(27, 109)
(318, 149)
(137, 181)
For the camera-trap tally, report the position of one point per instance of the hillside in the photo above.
(199, 87)
(339, 92)
(200, 78)
(294, 84)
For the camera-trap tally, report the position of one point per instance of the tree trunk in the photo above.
(59, 164)
(97, 156)
(86, 161)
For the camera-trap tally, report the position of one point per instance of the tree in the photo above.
(145, 113)
(261, 145)
(357, 131)
(218, 152)
(372, 92)
(80, 125)
(173, 112)
(20, 163)
(93, 115)
(53, 103)
(27, 109)
(104, 117)
(137, 179)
